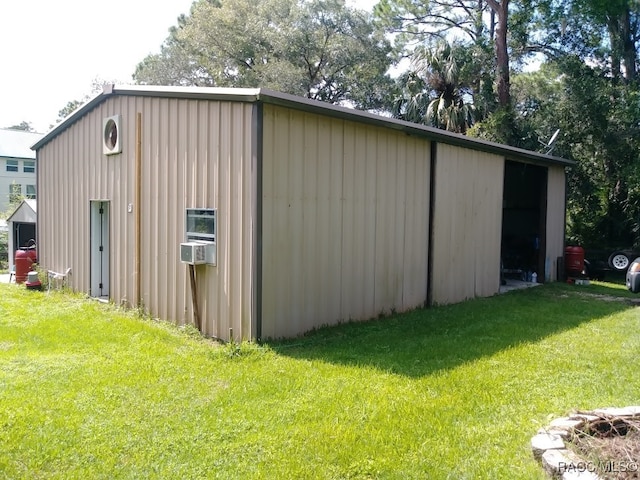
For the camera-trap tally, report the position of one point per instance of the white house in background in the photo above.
(17, 165)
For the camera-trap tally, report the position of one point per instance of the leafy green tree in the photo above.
(479, 24)
(319, 49)
(601, 135)
(15, 198)
(24, 126)
(96, 87)
(4, 247)
(506, 127)
(15, 195)
(604, 32)
(69, 108)
(419, 22)
(619, 19)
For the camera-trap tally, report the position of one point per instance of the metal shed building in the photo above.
(22, 228)
(319, 214)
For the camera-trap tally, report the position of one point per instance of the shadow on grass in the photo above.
(425, 341)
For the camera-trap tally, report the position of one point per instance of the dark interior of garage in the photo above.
(524, 221)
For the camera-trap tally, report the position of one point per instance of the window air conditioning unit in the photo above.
(193, 253)
(111, 135)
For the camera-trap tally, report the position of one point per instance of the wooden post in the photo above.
(194, 296)
(138, 210)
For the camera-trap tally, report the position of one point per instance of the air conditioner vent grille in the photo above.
(193, 253)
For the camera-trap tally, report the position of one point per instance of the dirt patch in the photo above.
(611, 298)
(610, 446)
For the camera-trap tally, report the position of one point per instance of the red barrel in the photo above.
(23, 262)
(31, 252)
(574, 260)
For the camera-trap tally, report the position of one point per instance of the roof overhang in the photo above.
(255, 95)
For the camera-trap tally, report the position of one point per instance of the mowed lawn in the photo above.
(91, 391)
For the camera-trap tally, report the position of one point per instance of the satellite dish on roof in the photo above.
(552, 141)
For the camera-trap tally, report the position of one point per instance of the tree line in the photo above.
(511, 71)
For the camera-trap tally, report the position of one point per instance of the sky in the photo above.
(52, 51)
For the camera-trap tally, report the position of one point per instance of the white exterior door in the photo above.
(99, 249)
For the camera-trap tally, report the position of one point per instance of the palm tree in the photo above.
(412, 102)
(433, 92)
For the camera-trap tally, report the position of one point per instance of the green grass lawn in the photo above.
(90, 391)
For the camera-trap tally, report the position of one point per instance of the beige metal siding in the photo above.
(345, 221)
(555, 221)
(467, 224)
(344, 205)
(195, 153)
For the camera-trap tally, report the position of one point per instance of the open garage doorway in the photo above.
(524, 208)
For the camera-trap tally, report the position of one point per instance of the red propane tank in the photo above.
(23, 262)
(574, 261)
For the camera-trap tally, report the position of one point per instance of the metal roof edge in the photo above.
(72, 118)
(208, 93)
(301, 103)
(13, 157)
(203, 93)
(435, 134)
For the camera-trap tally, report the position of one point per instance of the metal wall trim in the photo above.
(433, 154)
(257, 132)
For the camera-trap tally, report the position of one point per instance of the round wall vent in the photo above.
(111, 135)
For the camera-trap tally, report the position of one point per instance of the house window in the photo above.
(15, 192)
(31, 191)
(12, 165)
(201, 225)
(29, 166)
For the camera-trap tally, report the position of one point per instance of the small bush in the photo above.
(4, 250)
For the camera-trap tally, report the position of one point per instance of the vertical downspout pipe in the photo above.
(136, 202)
(433, 157)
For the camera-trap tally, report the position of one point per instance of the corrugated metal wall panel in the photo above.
(195, 154)
(340, 201)
(555, 221)
(416, 222)
(358, 226)
(68, 179)
(119, 191)
(209, 167)
(467, 224)
(345, 214)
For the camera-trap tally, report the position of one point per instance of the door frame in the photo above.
(99, 249)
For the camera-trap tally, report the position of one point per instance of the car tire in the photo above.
(619, 261)
(633, 282)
